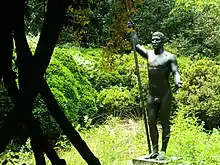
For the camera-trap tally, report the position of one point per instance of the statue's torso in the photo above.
(159, 70)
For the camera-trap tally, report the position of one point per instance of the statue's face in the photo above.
(157, 42)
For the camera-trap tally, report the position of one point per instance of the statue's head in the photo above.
(157, 40)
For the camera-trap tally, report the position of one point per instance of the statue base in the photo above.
(142, 161)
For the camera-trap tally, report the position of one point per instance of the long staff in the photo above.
(141, 93)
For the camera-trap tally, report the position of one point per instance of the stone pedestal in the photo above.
(142, 161)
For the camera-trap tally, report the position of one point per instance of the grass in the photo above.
(117, 142)
(114, 143)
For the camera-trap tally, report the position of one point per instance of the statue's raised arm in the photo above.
(140, 49)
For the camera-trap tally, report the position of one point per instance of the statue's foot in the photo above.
(161, 156)
(153, 155)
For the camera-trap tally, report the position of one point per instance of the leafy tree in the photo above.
(194, 27)
(150, 16)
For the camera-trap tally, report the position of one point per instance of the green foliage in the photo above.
(116, 101)
(75, 25)
(70, 87)
(5, 101)
(102, 78)
(119, 141)
(150, 16)
(191, 25)
(88, 82)
(98, 28)
(22, 156)
(200, 93)
(34, 13)
(195, 27)
(85, 89)
(68, 81)
(118, 89)
(182, 16)
(191, 143)
(48, 124)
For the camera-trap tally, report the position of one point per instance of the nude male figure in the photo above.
(160, 65)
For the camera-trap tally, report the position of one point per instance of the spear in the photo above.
(143, 109)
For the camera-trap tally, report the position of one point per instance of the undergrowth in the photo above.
(117, 142)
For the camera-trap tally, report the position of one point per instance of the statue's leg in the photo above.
(164, 115)
(152, 109)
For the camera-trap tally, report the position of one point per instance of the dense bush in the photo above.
(118, 91)
(116, 101)
(71, 87)
(85, 89)
(191, 144)
(200, 93)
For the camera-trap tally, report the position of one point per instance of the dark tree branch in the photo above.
(31, 70)
(8, 78)
(67, 127)
(26, 77)
(49, 35)
(11, 123)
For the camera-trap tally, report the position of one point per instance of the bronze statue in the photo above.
(160, 65)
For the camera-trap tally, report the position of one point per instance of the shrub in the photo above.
(72, 90)
(189, 142)
(117, 101)
(200, 93)
(118, 89)
(71, 87)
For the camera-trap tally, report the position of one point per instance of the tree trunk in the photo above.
(31, 71)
